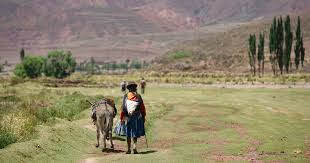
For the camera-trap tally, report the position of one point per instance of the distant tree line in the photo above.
(58, 64)
(92, 67)
(280, 46)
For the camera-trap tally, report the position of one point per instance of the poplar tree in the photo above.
(252, 53)
(280, 40)
(260, 53)
(22, 54)
(302, 52)
(273, 45)
(297, 48)
(288, 43)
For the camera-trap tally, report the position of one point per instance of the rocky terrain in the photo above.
(119, 29)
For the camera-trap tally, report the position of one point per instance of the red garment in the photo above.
(134, 97)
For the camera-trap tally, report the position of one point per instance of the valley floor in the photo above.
(188, 125)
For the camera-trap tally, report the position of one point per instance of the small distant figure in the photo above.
(123, 86)
(143, 85)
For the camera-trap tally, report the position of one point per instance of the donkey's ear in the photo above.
(89, 102)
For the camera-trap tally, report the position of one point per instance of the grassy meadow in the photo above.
(47, 120)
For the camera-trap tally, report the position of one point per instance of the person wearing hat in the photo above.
(133, 110)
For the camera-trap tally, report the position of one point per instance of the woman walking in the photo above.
(133, 110)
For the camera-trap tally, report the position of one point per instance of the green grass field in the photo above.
(184, 125)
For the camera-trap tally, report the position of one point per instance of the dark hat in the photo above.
(131, 84)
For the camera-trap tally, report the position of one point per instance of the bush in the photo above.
(59, 64)
(6, 138)
(179, 55)
(21, 124)
(20, 71)
(32, 67)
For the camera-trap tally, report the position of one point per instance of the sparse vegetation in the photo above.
(180, 54)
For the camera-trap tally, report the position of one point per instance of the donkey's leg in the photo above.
(104, 134)
(104, 141)
(111, 141)
(98, 135)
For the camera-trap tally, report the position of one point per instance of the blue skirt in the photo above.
(135, 126)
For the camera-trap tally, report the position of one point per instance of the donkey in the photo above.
(104, 114)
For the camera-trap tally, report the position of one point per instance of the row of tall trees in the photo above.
(280, 47)
(92, 67)
(260, 53)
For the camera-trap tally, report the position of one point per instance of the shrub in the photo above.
(20, 71)
(179, 55)
(32, 67)
(6, 138)
(20, 124)
(59, 64)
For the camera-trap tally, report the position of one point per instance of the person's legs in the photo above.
(128, 145)
(135, 145)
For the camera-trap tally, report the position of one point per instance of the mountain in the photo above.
(118, 29)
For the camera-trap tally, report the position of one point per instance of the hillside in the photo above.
(224, 50)
(99, 27)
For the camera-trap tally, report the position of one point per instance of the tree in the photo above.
(288, 44)
(91, 66)
(260, 53)
(31, 66)
(302, 52)
(273, 45)
(297, 47)
(59, 64)
(279, 45)
(124, 66)
(114, 65)
(127, 62)
(22, 54)
(135, 64)
(252, 53)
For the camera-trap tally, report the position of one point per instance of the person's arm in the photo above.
(142, 108)
(124, 109)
